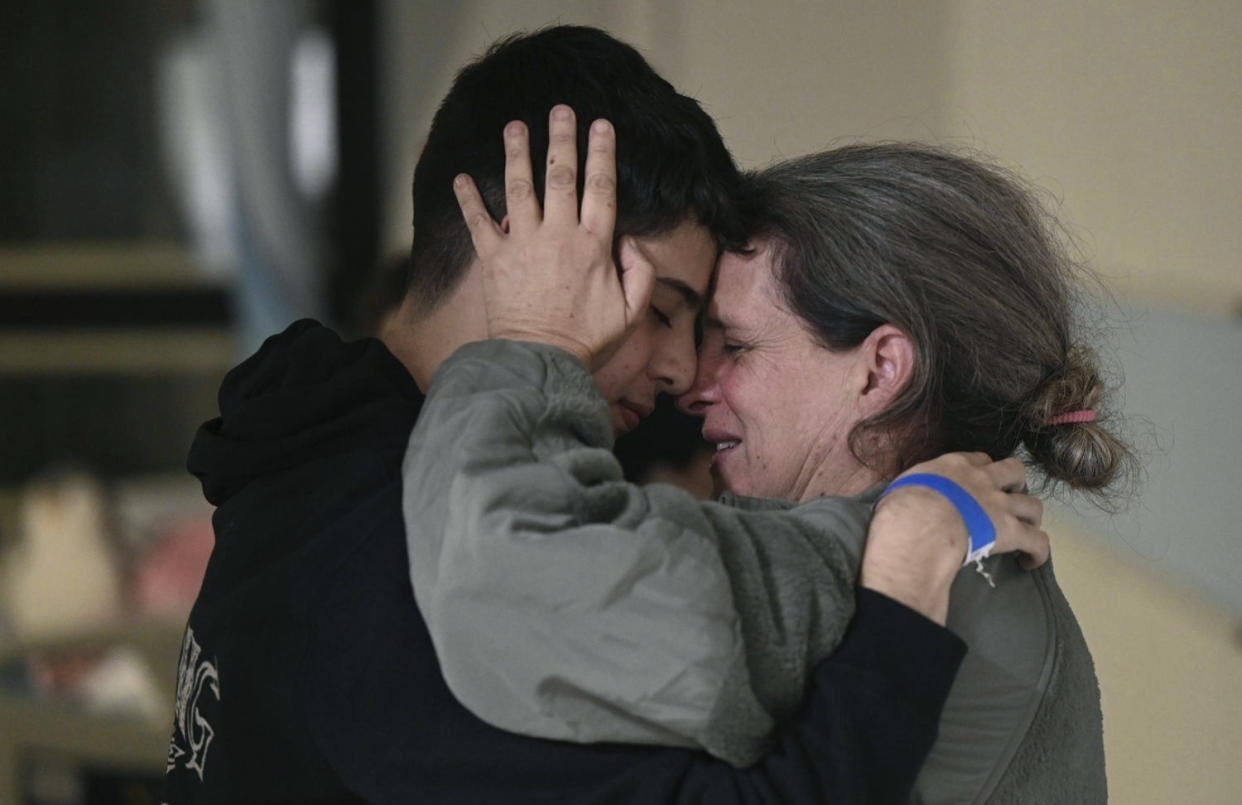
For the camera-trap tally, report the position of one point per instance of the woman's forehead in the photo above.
(744, 288)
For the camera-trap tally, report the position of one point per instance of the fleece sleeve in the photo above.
(565, 603)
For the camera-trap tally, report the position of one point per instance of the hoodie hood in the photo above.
(304, 395)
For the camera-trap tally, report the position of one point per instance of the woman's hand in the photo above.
(918, 539)
(548, 275)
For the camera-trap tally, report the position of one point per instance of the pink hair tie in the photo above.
(1073, 417)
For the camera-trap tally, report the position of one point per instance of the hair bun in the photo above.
(1069, 445)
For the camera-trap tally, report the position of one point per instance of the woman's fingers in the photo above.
(547, 277)
(560, 195)
(1029, 543)
(1029, 560)
(523, 207)
(599, 194)
(560, 203)
(1018, 519)
(1010, 474)
(1027, 508)
(484, 232)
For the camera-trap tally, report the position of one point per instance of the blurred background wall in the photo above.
(302, 121)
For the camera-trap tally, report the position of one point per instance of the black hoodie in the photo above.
(307, 674)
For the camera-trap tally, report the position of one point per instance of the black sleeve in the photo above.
(867, 725)
(382, 716)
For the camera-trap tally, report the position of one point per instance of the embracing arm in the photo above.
(566, 603)
(869, 719)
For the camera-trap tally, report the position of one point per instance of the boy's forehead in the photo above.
(684, 259)
(693, 297)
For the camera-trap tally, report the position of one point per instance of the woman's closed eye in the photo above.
(661, 316)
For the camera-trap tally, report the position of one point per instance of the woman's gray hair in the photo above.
(960, 256)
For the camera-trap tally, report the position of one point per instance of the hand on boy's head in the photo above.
(548, 276)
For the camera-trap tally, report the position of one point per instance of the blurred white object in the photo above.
(312, 113)
(281, 232)
(198, 150)
(122, 684)
(61, 576)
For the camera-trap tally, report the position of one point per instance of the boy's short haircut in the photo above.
(672, 164)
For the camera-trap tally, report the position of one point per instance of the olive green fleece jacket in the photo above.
(566, 603)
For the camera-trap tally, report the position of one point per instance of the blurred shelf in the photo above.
(116, 350)
(120, 265)
(71, 743)
(137, 307)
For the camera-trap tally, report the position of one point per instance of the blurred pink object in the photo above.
(167, 578)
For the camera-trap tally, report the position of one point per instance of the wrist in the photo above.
(914, 551)
(898, 576)
(928, 596)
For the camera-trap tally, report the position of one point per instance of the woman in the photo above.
(797, 410)
(937, 283)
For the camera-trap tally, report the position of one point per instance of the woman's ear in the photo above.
(889, 360)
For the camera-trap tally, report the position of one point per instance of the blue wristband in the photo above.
(978, 526)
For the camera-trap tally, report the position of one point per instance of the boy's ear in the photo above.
(888, 358)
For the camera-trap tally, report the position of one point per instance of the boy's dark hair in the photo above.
(672, 165)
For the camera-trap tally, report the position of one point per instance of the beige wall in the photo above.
(1129, 113)
(1170, 670)
(760, 73)
(1132, 112)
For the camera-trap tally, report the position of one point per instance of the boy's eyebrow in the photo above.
(693, 298)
